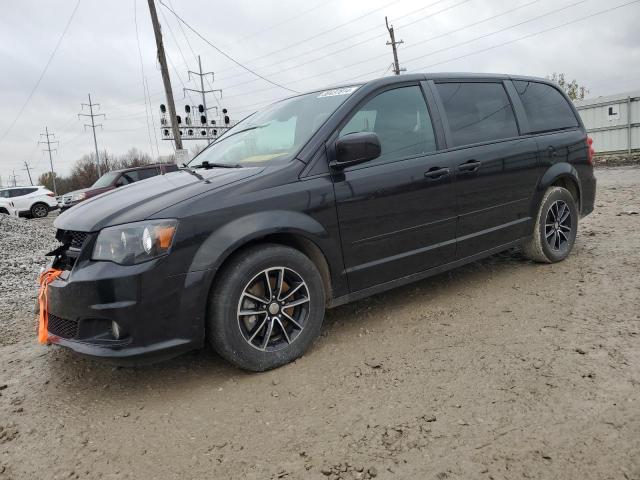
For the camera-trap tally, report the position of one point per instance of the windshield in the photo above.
(105, 180)
(277, 132)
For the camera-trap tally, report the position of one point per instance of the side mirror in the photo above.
(356, 148)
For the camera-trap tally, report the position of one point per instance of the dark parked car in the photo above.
(114, 179)
(319, 200)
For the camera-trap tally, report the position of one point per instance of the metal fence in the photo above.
(613, 122)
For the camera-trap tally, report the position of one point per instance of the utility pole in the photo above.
(393, 43)
(93, 126)
(165, 74)
(14, 178)
(48, 142)
(26, 167)
(202, 91)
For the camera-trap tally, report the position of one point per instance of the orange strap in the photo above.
(45, 279)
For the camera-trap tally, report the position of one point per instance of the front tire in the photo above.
(39, 210)
(266, 308)
(556, 227)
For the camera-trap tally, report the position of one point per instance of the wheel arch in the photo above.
(292, 229)
(561, 175)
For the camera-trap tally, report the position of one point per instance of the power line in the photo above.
(450, 47)
(353, 44)
(607, 10)
(44, 71)
(226, 55)
(324, 32)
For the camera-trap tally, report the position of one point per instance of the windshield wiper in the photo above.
(206, 165)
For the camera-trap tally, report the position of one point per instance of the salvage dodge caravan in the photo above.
(315, 201)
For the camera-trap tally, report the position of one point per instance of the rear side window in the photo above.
(147, 173)
(477, 112)
(27, 191)
(546, 107)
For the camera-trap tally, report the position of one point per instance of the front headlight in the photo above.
(134, 243)
(77, 197)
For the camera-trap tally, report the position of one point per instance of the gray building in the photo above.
(613, 121)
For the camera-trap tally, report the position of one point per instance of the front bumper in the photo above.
(160, 315)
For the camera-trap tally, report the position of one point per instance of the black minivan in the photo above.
(315, 201)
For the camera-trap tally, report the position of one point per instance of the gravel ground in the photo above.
(23, 245)
(502, 369)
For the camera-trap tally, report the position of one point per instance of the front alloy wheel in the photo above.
(273, 309)
(266, 307)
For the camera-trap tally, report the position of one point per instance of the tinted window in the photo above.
(26, 191)
(546, 107)
(5, 193)
(477, 112)
(147, 173)
(400, 119)
(129, 177)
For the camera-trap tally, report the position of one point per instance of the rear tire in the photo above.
(39, 210)
(275, 334)
(555, 229)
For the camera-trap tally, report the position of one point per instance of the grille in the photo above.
(77, 239)
(62, 327)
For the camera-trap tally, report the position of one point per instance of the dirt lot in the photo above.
(500, 370)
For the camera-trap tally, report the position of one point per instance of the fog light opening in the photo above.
(115, 330)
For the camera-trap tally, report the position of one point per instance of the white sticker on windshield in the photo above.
(337, 91)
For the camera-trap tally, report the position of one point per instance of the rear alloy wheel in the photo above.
(266, 307)
(556, 227)
(39, 210)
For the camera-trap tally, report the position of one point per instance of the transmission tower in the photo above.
(93, 126)
(48, 143)
(393, 43)
(197, 125)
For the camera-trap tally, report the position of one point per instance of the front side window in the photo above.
(400, 119)
(477, 112)
(546, 107)
(276, 133)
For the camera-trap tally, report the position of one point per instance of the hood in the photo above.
(141, 200)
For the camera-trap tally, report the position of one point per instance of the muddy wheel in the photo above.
(555, 229)
(39, 210)
(266, 307)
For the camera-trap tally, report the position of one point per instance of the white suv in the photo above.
(36, 201)
(6, 207)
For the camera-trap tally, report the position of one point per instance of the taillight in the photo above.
(51, 194)
(591, 152)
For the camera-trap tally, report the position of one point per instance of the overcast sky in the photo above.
(302, 45)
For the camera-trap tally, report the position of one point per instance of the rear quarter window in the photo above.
(546, 108)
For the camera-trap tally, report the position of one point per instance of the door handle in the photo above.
(470, 166)
(552, 150)
(436, 172)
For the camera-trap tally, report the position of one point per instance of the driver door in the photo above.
(397, 213)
